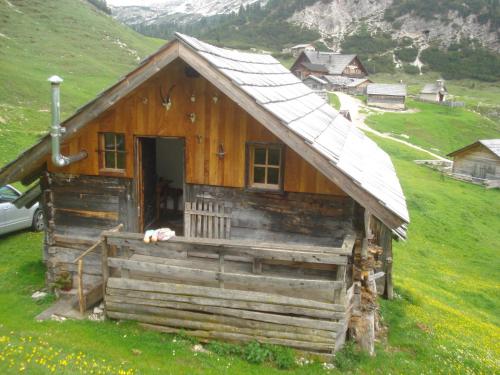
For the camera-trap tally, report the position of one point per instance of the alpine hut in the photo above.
(284, 213)
(386, 96)
(434, 92)
(319, 63)
(479, 160)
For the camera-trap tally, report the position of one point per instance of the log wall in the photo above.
(288, 217)
(77, 209)
(386, 101)
(231, 290)
(477, 162)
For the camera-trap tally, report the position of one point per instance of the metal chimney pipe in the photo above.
(56, 131)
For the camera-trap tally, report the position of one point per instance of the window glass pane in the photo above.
(274, 156)
(109, 141)
(109, 159)
(273, 175)
(259, 155)
(259, 175)
(120, 160)
(120, 142)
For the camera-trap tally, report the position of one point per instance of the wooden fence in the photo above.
(231, 290)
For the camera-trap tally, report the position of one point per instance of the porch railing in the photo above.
(277, 293)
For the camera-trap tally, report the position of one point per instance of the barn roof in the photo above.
(332, 63)
(345, 81)
(317, 79)
(386, 89)
(491, 144)
(282, 103)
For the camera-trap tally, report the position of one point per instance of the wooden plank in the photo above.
(322, 356)
(202, 275)
(104, 263)
(182, 323)
(229, 303)
(187, 220)
(237, 248)
(209, 292)
(208, 333)
(81, 302)
(210, 219)
(331, 329)
(240, 243)
(161, 306)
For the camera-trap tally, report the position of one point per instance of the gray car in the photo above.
(13, 218)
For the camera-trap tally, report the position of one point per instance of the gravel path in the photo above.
(354, 105)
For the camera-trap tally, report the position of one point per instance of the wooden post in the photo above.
(221, 270)
(104, 265)
(81, 302)
(339, 294)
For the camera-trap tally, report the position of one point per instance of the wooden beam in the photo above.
(196, 274)
(212, 292)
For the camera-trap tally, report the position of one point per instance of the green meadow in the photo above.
(444, 318)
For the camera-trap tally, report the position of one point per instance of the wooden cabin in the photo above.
(434, 92)
(479, 160)
(319, 63)
(284, 213)
(349, 85)
(299, 48)
(386, 96)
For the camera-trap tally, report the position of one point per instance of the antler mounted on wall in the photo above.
(166, 100)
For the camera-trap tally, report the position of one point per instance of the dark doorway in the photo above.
(161, 181)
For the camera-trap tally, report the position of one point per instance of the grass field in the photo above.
(437, 128)
(35, 44)
(481, 97)
(444, 319)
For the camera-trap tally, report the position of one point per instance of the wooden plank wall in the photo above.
(230, 290)
(220, 122)
(77, 210)
(309, 216)
(477, 162)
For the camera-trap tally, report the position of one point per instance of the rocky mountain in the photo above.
(425, 21)
(458, 38)
(149, 12)
(338, 18)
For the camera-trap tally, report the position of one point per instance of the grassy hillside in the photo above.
(445, 319)
(437, 128)
(70, 38)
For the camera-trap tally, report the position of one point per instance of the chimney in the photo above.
(440, 83)
(56, 131)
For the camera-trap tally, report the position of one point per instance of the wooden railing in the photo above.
(277, 293)
(95, 293)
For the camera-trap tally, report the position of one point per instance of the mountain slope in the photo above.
(71, 38)
(386, 33)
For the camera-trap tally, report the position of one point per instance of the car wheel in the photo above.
(38, 223)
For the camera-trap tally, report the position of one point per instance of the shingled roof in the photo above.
(491, 144)
(433, 88)
(332, 63)
(284, 105)
(386, 89)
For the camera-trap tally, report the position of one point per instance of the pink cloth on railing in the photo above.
(161, 234)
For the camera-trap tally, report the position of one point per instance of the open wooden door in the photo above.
(146, 163)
